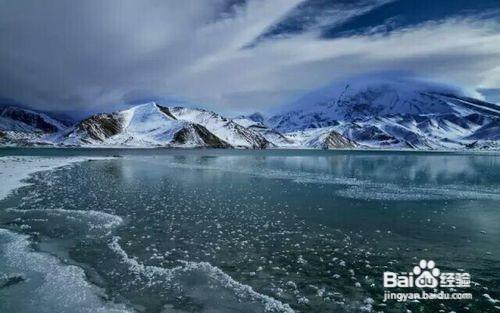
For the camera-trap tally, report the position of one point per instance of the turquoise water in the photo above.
(247, 231)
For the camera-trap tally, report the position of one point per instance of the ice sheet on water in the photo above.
(216, 277)
(359, 188)
(47, 285)
(96, 220)
(296, 176)
(15, 169)
(391, 192)
(103, 219)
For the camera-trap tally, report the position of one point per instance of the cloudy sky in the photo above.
(235, 55)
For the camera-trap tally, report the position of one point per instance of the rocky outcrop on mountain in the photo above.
(184, 136)
(335, 140)
(224, 128)
(98, 128)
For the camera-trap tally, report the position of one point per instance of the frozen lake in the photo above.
(246, 231)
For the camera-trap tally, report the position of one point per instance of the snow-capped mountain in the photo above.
(363, 113)
(322, 138)
(144, 125)
(224, 128)
(255, 123)
(319, 138)
(400, 113)
(23, 126)
(141, 126)
(23, 120)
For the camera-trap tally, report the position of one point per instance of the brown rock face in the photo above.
(212, 141)
(100, 126)
(336, 140)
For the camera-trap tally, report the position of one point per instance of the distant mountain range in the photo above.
(393, 113)
(365, 113)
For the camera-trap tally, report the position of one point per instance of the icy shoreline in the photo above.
(491, 150)
(15, 169)
(18, 260)
(52, 283)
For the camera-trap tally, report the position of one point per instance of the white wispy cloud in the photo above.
(91, 54)
(464, 52)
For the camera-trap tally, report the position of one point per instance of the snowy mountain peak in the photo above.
(152, 124)
(224, 128)
(143, 125)
(148, 117)
(370, 97)
(392, 112)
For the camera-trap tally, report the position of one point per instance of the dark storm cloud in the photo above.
(91, 55)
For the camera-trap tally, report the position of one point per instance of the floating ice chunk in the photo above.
(302, 300)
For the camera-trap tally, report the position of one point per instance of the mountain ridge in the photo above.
(394, 113)
(384, 113)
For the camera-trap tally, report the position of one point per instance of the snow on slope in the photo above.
(20, 126)
(393, 113)
(271, 135)
(431, 131)
(245, 122)
(23, 120)
(320, 138)
(226, 129)
(147, 124)
(140, 126)
(374, 112)
(372, 97)
(252, 119)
